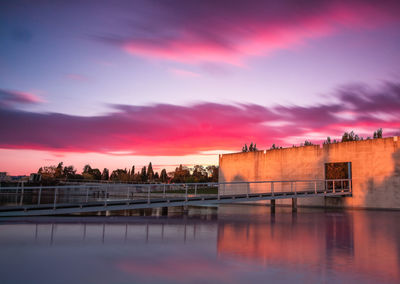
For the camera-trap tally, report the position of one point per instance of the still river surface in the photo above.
(231, 244)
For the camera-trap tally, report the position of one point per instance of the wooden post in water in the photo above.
(272, 205)
(294, 204)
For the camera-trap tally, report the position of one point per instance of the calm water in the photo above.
(234, 244)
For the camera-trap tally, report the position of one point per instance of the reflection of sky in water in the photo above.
(241, 244)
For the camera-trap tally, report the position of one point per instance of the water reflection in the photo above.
(350, 244)
(235, 244)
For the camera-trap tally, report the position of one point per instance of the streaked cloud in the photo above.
(183, 73)
(10, 98)
(167, 130)
(231, 31)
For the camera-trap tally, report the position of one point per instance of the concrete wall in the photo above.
(375, 170)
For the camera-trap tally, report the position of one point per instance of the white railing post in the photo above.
(16, 193)
(350, 185)
(105, 197)
(87, 194)
(333, 182)
(22, 193)
(55, 198)
(127, 194)
(291, 186)
(341, 185)
(315, 186)
(40, 194)
(272, 188)
(148, 194)
(195, 189)
(186, 192)
(295, 188)
(164, 190)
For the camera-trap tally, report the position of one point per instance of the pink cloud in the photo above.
(216, 31)
(183, 73)
(9, 98)
(171, 130)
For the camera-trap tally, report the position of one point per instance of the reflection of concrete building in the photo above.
(343, 242)
(373, 165)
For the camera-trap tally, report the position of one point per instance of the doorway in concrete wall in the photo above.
(338, 175)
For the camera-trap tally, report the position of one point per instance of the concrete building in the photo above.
(373, 166)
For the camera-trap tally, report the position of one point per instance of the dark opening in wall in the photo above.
(340, 172)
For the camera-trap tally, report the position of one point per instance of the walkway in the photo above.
(68, 199)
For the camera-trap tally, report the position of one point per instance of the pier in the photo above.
(85, 198)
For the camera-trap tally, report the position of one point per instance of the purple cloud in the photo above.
(165, 129)
(228, 31)
(10, 98)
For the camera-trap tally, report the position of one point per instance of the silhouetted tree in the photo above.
(119, 175)
(86, 173)
(106, 174)
(199, 174)
(86, 169)
(69, 172)
(133, 173)
(378, 133)
(143, 174)
(351, 136)
(181, 174)
(150, 172)
(91, 174)
(328, 140)
(308, 143)
(252, 148)
(47, 173)
(58, 174)
(163, 176)
(213, 172)
(96, 174)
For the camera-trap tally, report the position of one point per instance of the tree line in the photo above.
(351, 136)
(346, 137)
(182, 174)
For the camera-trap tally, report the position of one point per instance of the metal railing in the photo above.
(103, 194)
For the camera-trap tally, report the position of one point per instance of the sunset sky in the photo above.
(122, 83)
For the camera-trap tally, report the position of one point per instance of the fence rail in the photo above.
(65, 196)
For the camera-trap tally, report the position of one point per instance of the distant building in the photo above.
(35, 177)
(3, 176)
(19, 178)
